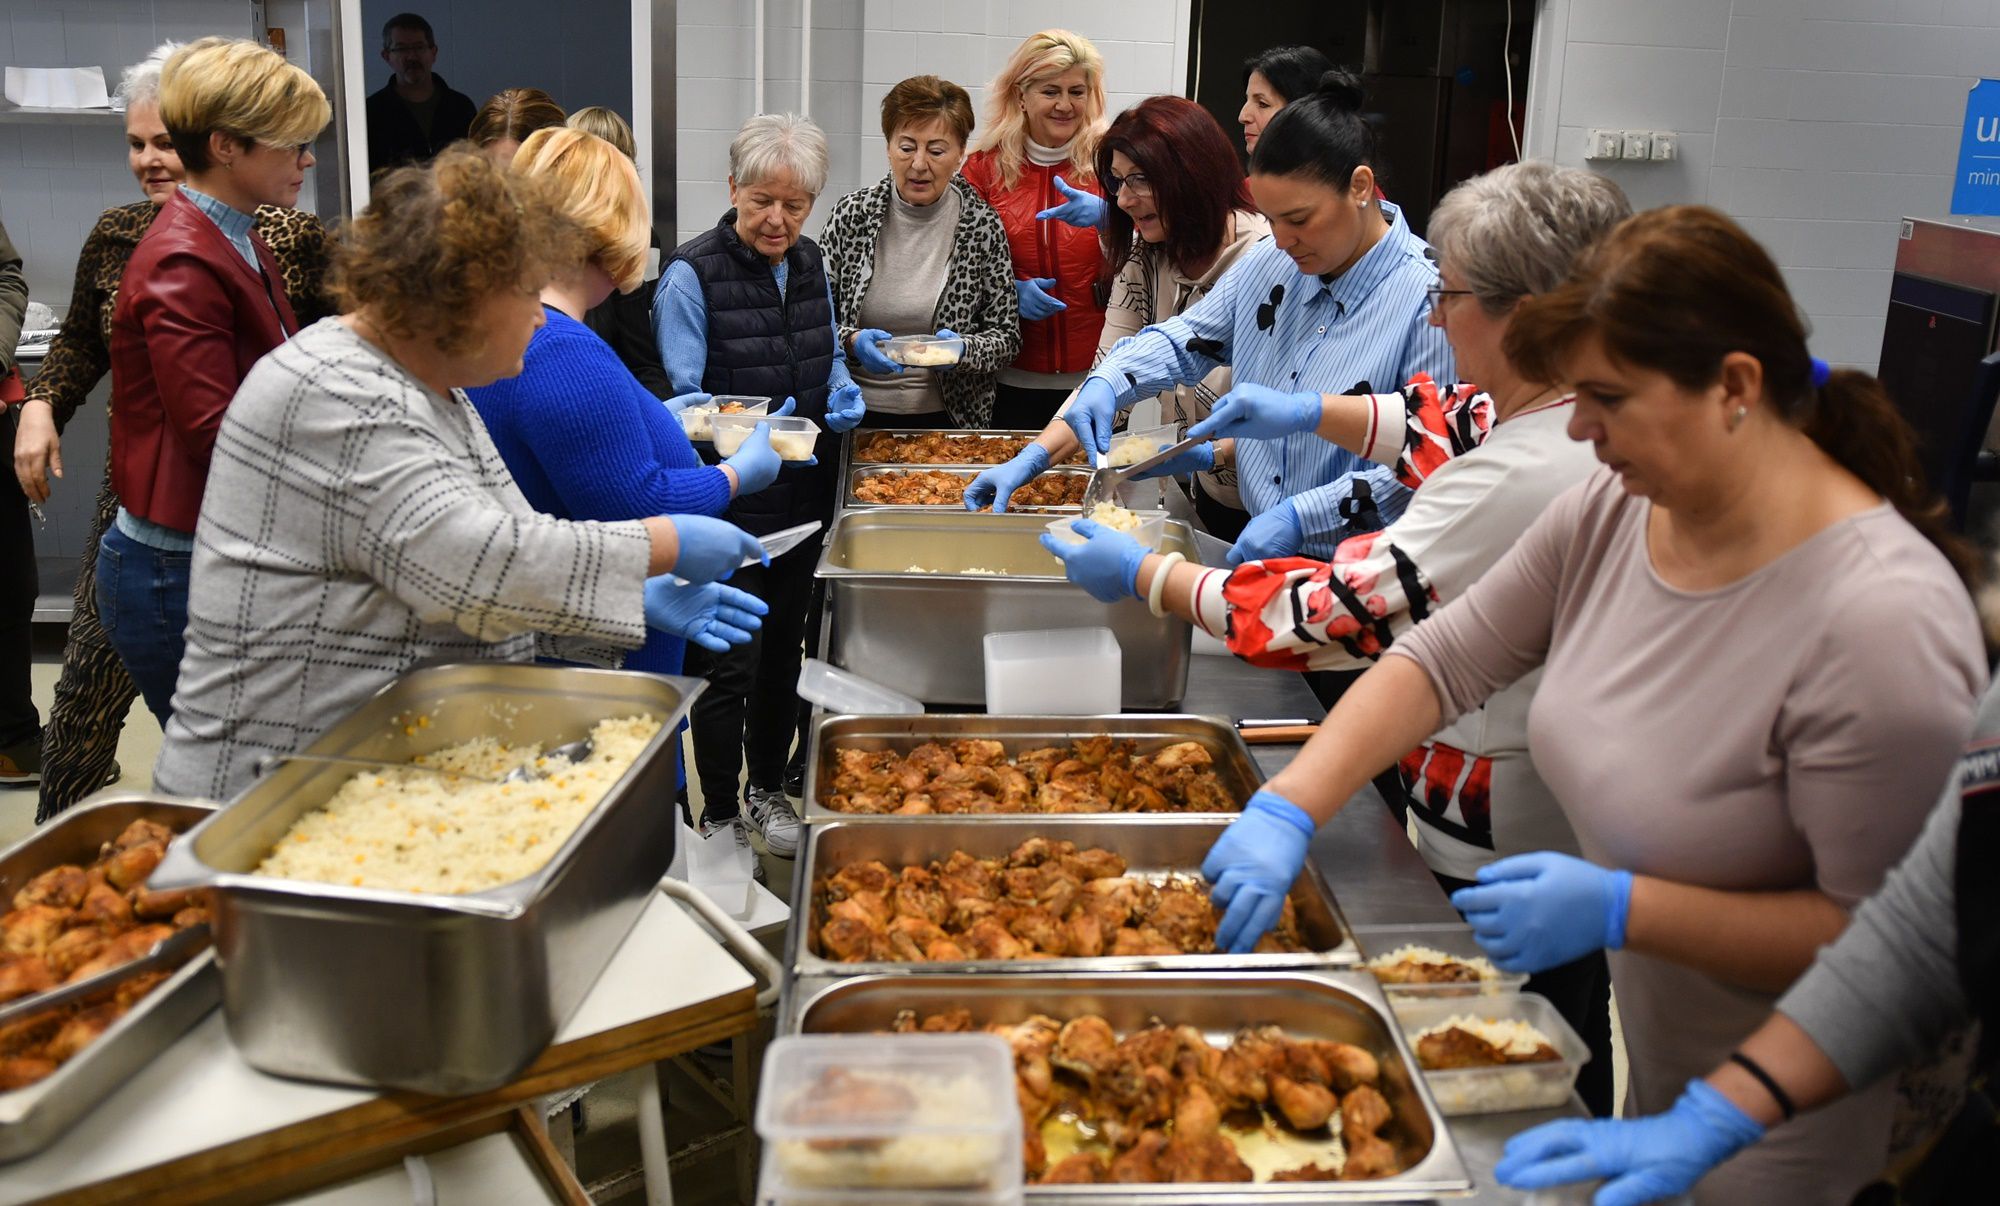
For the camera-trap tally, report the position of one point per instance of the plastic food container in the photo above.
(791, 437)
(1507, 1087)
(1131, 447)
(850, 694)
(778, 543)
(695, 420)
(924, 351)
(1053, 672)
(889, 1118)
(1151, 531)
(1455, 941)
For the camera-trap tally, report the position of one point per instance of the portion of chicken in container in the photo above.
(1092, 774)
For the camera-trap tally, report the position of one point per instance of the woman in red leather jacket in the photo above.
(200, 302)
(1036, 164)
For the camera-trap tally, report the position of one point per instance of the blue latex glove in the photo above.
(845, 410)
(1091, 414)
(946, 333)
(1036, 304)
(756, 464)
(711, 549)
(710, 615)
(1641, 1159)
(681, 402)
(1253, 864)
(1106, 564)
(791, 404)
(1275, 533)
(1198, 459)
(1082, 208)
(868, 353)
(1258, 412)
(993, 487)
(1532, 912)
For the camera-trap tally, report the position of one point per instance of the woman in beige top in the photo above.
(1758, 660)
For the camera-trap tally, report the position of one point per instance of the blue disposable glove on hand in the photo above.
(1106, 564)
(1198, 459)
(1090, 415)
(868, 351)
(946, 333)
(993, 487)
(710, 615)
(680, 402)
(1532, 912)
(756, 463)
(1036, 304)
(1275, 533)
(1258, 412)
(1641, 1159)
(791, 404)
(711, 549)
(1082, 208)
(845, 410)
(1253, 865)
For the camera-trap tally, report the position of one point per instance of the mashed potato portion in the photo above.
(1115, 517)
(925, 355)
(1133, 449)
(411, 831)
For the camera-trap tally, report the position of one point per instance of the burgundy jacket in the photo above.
(191, 319)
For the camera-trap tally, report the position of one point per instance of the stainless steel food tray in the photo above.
(860, 473)
(1233, 764)
(1153, 845)
(1342, 1006)
(850, 448)
(438, 993)
(33, 1117)
(919, 632)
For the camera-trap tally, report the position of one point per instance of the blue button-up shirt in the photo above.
(234, 224)
(1366, 330)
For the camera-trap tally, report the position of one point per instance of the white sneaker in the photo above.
(771, 813)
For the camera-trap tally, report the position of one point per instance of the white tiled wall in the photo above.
(1816, 123)
(862, 47)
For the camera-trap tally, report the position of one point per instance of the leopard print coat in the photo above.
(977, 301)
(81, 352)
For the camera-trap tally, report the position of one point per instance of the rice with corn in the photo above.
(412, 831)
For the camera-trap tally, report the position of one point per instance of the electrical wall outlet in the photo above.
(1638, 145)
(1605, 144)
(1666, 145)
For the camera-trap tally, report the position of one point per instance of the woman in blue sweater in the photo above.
(583, 438)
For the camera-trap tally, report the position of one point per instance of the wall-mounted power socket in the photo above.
(1605, 144)
(1666, 145)
(1632, 144)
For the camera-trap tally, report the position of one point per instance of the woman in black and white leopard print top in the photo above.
(921, 252)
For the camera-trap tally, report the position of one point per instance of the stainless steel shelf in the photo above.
(58, 117)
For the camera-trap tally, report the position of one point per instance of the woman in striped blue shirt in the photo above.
(1335, 302)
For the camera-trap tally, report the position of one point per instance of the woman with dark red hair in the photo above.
(1181, 215)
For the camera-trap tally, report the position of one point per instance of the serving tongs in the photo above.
(1104, 481)
(575, 751)
(171, 951)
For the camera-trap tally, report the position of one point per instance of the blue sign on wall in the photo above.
(1976, 187)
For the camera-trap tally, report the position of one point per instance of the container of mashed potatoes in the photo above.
(924, 351)
(1131, 447)
(1147, 527)
(889, 1118)
(792, 438)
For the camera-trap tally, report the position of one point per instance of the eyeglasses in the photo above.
(1140, 186)
(1436, 294)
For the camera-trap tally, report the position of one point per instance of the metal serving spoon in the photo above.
(1104, 481)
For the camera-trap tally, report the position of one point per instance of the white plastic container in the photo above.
(1508, 1087)
(783, 541)
(1053, 672)
(1454, 941)
(924, 351)
(1151, 531)
(1131, 447)
(889, 1118)
(696, 420)
(791, 437)
(838, 691)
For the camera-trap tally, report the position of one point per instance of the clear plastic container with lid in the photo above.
(1131, 447)
(695, 420)
(838, 691)
(1053, 672)
(1501, 1087)
(792, 438)
(889, 1118)
(924, 351)
(1151, 531)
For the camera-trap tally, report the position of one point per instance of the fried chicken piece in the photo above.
(75, 948)
(58, 887)
(1036, 926)
(129, 867)
(851, 940)
(1141, 1096)
(1182, 754)
(1114, 901)
(30, 930)
(1363, 1111)
(1082, 937)
(870, 876)
(1142, 940)
(1205, 793)
(1411, 971)
(192, 916)
(905, 1022)
(1034, 1078)
(129, 991)
(1241, 1080)
(1016, 791)
(23, 975)
(869, 908)
(151, 904)
(1093, 864)
(139, 833)
(930, 759)
(1183, 916)
(917, 894)
(1068, 795)
(1034, 1153)
(1038, 764)
(951, 1021)
(1307, 1172)
(1095, 751)
(1032, 853)
(1348, 1065)
(124, 948)
(1086, 1046)
(1144, 798)
(1077, 1168)
(1197, 1116)
(26, 1036)
(1305, 1104)
(988, 939)
(963, 875)
(1455, 1048)
(979, 752)
(105, 905)
(910, 939)
(1369, 1157)
(82, 1030)
(1138, 1164)
(1047, 885)
(1201, 1159)
(916, 804)
(20, 1071)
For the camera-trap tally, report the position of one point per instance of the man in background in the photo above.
(416, 114)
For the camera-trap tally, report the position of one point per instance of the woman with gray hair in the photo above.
(95, 692)
(1484, 461)
(746, 308)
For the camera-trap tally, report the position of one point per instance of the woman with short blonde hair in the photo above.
(504, 122)
(606, 124)
(240, 91)
(598, 187)
(1038, 161)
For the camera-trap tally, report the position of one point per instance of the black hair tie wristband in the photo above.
(1770, 1084)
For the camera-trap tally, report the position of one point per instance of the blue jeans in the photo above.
(142, 595)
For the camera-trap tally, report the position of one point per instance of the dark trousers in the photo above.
(142, 595)
(1218, 519)
(20, 724)
(751, 707)
(93, 694)
(1018, 408)
(1581, 993)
